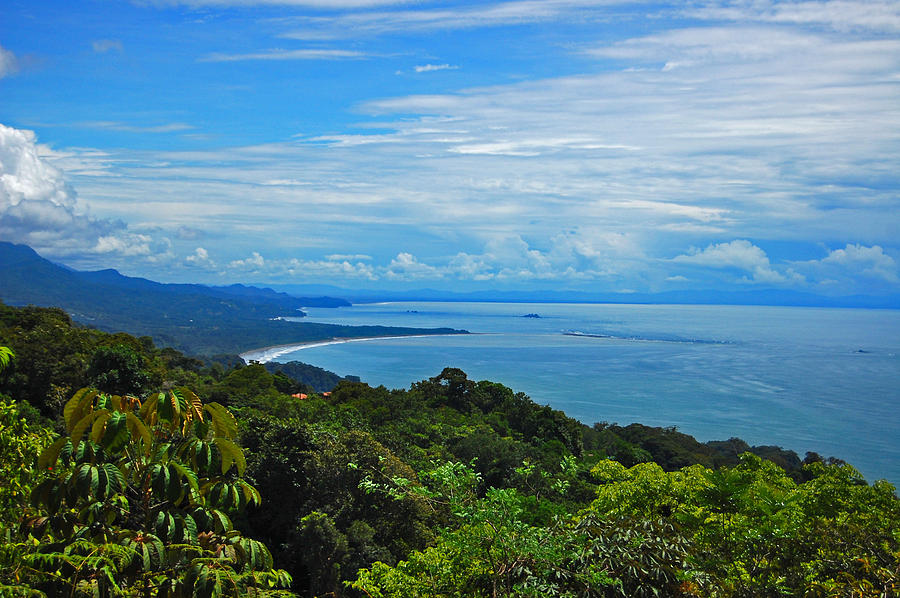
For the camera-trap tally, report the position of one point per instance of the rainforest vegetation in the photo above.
(133, 470)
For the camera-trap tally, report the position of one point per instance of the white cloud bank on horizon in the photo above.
(665, 155)
(39, 208)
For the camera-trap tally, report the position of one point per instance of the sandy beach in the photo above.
(267, 354)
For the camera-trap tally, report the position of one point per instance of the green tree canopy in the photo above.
(139, 499)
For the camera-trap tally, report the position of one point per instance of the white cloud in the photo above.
(334, 267)
(407, 267)
(478, 15)
(320, 4)
(772, 128)
(340, 257)
(39, 208)
(130, 247)
(839, 15)
(119, 126)
(427, 68)
(8, 63)
(253, 263)
(737, 254)
(340, 269)
(708, 45)
(281, 54)
(101, 46)
(200, 258)
(742, 255)
(868, 261)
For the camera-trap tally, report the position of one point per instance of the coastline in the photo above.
(267, 354)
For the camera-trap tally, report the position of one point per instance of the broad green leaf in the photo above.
(116, 479)
(224, 424)
(103, 484)
(116, 435)
(6, 354)
(80, 428)
(164, 407)
(165, 525)
(251, 494)
(138, 430)
(146, 558)
(222, 524)
(50, 454)
(203, 457)
(174, 489)
(76, 407)
(160, 481)
(85, 480)
(100, 419)
(188, 475)
(189, 529)
(231, 453)
(149, 408)
(194, 404)
(178, 402)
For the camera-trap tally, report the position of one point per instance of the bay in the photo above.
(806, 379)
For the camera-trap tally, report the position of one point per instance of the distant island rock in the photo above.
(531, 316)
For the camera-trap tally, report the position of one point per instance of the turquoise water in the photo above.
(807, 379)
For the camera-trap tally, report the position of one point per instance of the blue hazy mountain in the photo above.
(194, 318)
(783, 297)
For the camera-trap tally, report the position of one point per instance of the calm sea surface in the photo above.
(807, 379)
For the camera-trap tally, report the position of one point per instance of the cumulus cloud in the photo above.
(866, 261)
(504, 258)
(132, 246)
(763, 127)
(337, 267)
(741, 255)
(200, 258)
(253, 263)
(8, 63)
(407, 267)
(39, 208)
(328, 268)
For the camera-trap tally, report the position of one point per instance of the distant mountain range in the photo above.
(194, 318)
(773, 297)
(207, 320)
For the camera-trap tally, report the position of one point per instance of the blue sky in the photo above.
(604, 146)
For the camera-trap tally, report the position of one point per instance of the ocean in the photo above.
(806, 379)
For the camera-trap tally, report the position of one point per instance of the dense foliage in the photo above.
(449, 488)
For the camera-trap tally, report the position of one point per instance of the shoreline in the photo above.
(270, 353)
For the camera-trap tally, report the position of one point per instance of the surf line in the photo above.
(267, 354)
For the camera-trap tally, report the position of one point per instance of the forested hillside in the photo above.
(181, 477)
(197, 319)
